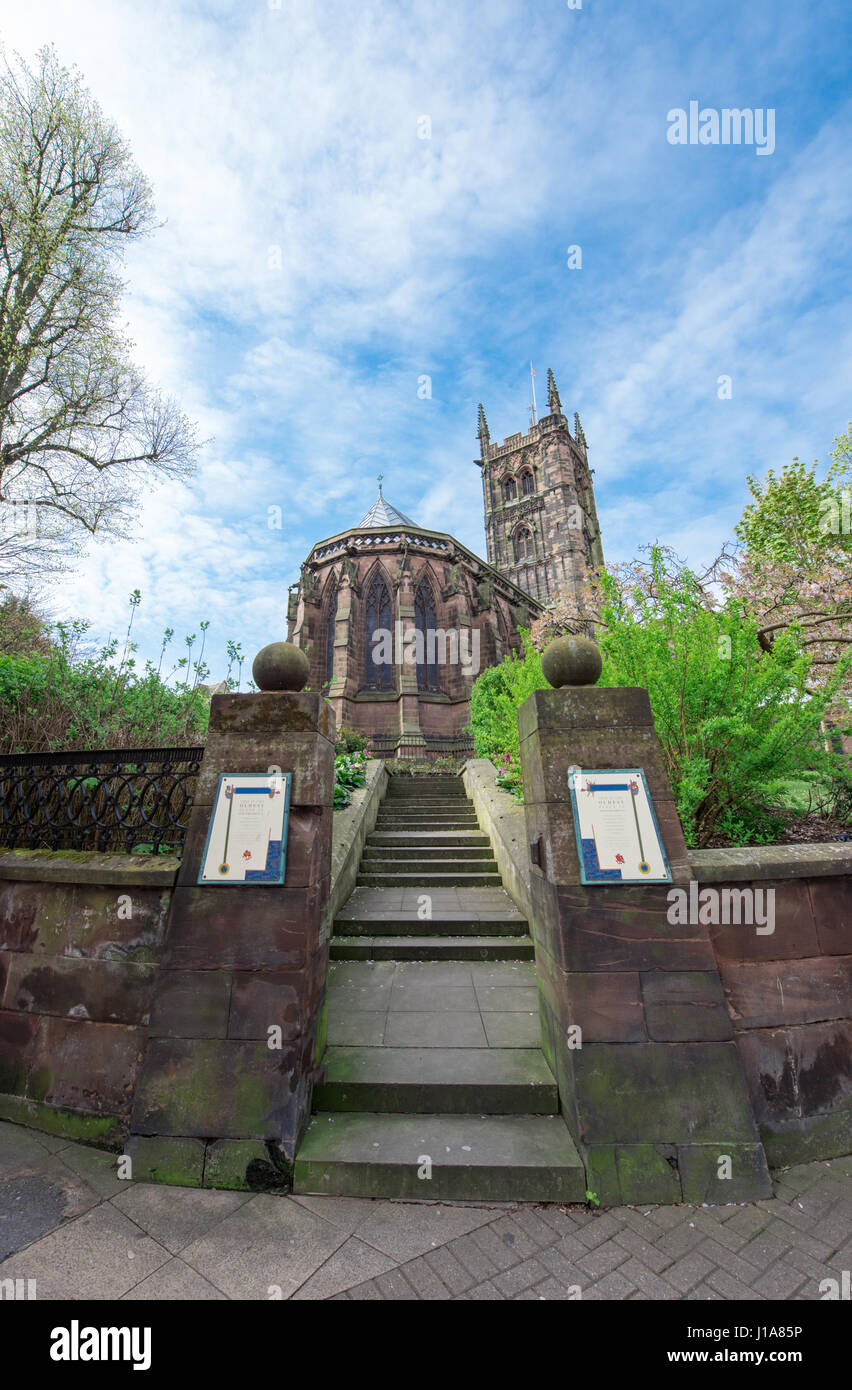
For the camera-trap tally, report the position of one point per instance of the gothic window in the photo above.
(527, 484)
(523, 543)
(377, 673)
(425, 622)
(510, 490)
(330, 634)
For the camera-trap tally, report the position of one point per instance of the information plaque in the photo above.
(247, 838)
(618, 838)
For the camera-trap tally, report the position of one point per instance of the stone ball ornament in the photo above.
(280, 666)
(571, 661)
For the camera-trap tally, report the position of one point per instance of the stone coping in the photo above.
(350, 828)
(504, 821)
(772, 861)
(89, 867)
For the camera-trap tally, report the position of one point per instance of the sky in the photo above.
(357, 197)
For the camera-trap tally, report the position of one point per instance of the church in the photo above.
(398, 620)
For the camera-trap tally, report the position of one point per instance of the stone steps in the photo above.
(418, 816)
(392, 878)
(481, 1158)
(452, 1080)
(426, 821)
(485, 1115)
(417, 947)
(424, 853)
(437, 839)
(445, 925)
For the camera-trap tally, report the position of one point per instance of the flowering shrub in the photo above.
(509, 777)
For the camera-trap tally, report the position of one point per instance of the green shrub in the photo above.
(348, 741)
(497, 696)
(735, 721)
(350, 770)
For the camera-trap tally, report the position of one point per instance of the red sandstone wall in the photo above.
(789, 995)
(78, 965)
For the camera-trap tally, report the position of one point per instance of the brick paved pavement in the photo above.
(68, 1222)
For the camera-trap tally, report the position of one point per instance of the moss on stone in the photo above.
(101, 1131)
(176, 1162)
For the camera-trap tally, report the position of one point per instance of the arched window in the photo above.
(527, 484)
(378, 670)
(510, 491)
(330, 634)
(424, 622)
(523, 543)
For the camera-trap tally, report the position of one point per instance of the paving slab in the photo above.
(349, 1265)
(100, 1255)
(176, 1216)
(265, 1246)
(433, 1029)
(513, 1029)
(175, 1281)
(356, 1027)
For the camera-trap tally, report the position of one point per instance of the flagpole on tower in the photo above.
(533, 407)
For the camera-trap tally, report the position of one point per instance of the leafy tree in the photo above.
(80, 428)
(794, 566)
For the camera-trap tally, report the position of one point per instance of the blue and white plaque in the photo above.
(618, 838)
(247, 838)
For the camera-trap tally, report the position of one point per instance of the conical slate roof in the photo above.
(383, 514)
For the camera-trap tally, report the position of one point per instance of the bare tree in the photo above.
(80, 428)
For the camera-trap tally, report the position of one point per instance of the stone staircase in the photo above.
(434, 1062)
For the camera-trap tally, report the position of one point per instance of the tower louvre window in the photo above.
(510, 490)
(424, 621)
(527, 484)
(377, 620)
(523, 543)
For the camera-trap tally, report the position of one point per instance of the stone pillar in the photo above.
(652, 1087)
(215, 1103)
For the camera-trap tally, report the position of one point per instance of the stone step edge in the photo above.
(432, 948)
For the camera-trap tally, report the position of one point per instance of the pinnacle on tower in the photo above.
(578, 430)
(553, 401)
(482, 432)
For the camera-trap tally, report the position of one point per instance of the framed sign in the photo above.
(247, 838)
(618, 837)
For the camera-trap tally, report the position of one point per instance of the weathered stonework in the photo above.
(407, 719)
(80, 940)
(653, 1080)
(789, 994)
(241, 961)
(541, 523)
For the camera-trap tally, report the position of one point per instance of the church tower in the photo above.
(541, 523)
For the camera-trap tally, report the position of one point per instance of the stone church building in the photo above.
(397, 620)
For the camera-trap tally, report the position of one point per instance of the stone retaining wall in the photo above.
(82, 949)
(81, 937)
(788, 993)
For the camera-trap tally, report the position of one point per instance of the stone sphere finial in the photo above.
(571, 661)
(280, 666)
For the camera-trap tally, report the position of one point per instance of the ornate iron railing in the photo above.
(130, 799)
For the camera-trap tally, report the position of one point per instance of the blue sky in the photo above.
(297, 128)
